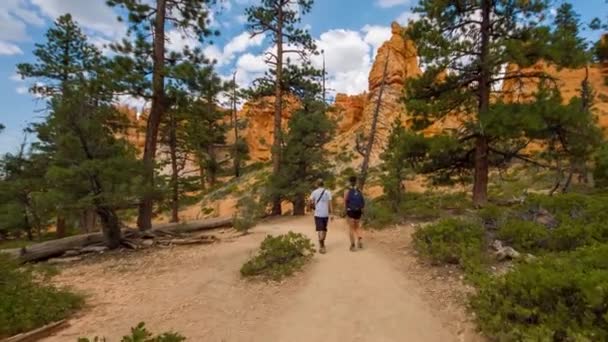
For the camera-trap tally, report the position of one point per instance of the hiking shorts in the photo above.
(354, 214)
(321, 223)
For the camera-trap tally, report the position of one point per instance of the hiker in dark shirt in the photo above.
(354, 204)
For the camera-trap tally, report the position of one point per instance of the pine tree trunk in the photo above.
(201, 173)
(482, 163)
(235, 123)
(28, 226)
(174, 170)
(144, 220)
(60, 227)
(88, 219)
(110, 226)
(299, 205)
(372, 134)
(278, 108)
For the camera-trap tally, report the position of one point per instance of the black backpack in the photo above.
(354, 200)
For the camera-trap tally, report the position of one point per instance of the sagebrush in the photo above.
(139, 333)
(556, 298)
(279, 256)
(26, 303)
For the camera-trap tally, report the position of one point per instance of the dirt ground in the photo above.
(381, 293)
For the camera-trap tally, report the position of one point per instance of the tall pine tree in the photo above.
(279, 19)
(88, 166)
(470, 42)
(147, 54)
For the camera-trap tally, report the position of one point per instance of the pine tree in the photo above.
(279, 18)
(403, 151)
(22, 189)
(147, 54)
(192, 128)
(470, 42)
(88, 167)
(305, 159)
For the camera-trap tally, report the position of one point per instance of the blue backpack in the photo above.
(355, 200)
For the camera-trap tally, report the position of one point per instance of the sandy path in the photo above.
(341, 296)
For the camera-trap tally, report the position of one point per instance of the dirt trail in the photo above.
(197, 291)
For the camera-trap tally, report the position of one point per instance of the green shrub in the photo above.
(556, 298)
(600, 172)
(25, 303)
(493, 216)
(378, 214)
(452, 241)
(383, 212)
(279, 256)
(248, 214)
(141, 334)
(524, 235)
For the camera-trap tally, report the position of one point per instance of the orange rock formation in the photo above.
(354, 113)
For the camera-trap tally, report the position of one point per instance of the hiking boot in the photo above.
(322, 250)
(360, 244)
(353, 248)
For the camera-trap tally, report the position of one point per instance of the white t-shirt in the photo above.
(321, 203)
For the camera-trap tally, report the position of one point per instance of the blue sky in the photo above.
(350, 31)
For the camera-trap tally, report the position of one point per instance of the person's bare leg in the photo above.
(351, 232)
(322, 235)
(358, 233)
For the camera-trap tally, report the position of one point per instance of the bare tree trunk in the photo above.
(28, 226)
(482, 167)
(60, 227)
(372, 133)
(88, 220)
(278, 109)
(201, 173)
(144, 220)
(235, 122)
(299, 205)
(560, 173)
(174, 169)
(110, 226)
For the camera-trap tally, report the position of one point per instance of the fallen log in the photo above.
(38, 334)
(54, 248)
(193, 226)
(48, 249)
(196, 241)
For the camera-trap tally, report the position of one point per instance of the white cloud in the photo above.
(347, 60)
(235, 46)
(16, 78)
(102, 44)
(345, 50)
(11, 28)
(391, 3)
(407, 16)
(22, 90)
(93, 15)
(251, 63)
(9, 49)
(241, 43)
(376, 36)
(213, 53)
(177, 40)
(28, 16)
(241, 19)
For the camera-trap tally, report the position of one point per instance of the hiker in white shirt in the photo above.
(320, 199)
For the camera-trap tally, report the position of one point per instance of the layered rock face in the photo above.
(400, 58)
(259, 133)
